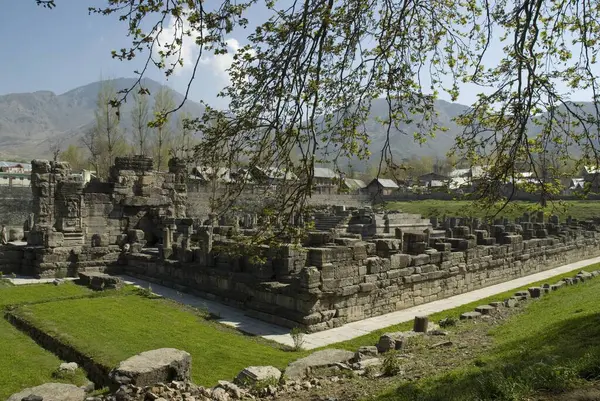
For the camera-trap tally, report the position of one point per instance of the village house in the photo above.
(382, 186)
(352, 186)
(434, 180)
(590, 177)
(13, 174)
(325, 180)
(271, 176)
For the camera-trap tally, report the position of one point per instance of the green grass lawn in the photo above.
(439, 208)
(21, 294)
(554, 345)
(23, 363)
(112, 329)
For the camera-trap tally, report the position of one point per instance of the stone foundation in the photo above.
(318, 288)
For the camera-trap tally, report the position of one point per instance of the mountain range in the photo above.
(31, 122)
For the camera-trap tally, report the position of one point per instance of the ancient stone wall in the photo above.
(15, 207)
(76, 227)
(199, 202)
(348, 279)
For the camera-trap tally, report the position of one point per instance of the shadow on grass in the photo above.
(554, 360)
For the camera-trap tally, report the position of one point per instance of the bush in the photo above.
(391, 364)
(259, 388)
(371, 372)
(145, 292)
(297, 337)
(447, 322)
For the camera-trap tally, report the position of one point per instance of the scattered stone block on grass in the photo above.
(485, 309)
(365, 352)
(394, 341)
(157, 366)
(301, 368)
(470, 315)
(255, 374)
(511, 302)
(522, 295)
(421, 324)
(51, 392)
(535, 292)
(68, 367)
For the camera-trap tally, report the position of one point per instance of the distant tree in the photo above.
(55, 147)
(140, 117)
(163, 134)
(91, 141)
(183, 141)
(74, 156)
(105, 139)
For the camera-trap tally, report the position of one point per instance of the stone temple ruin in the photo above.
(357, 263)
(76, 227)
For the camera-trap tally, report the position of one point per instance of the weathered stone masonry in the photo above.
(348, 279)
(358, 263)
(77, 227)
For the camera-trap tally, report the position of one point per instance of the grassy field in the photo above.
(438, 208)
(553, 346)
(22, 362)
(112, 329)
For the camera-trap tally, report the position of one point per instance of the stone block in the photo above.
(387, 247)
(299, 369)
(535, 292)
(443, 247)
(320, 256)
(309, 277)
(399, 261)
(54, 239)
(470, 315)
(367, 287)
(485, 309)
(365, 352)
(50, 392)
(257, 374)
(162, 365)
(419, 260)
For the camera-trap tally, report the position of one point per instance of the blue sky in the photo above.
(64, 48)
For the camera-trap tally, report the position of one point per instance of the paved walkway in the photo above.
(236, 318)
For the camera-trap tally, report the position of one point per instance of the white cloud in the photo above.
(217, 65)
(220, 64)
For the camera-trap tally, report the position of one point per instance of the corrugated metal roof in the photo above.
(459, 172)
(324, 172)
(387, 183)
(207, 173)
(354, 184)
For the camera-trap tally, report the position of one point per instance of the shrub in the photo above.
(297, 337)
(145, 292)
(371, 372)
(259, 387)
(447, 322)
(391, 364)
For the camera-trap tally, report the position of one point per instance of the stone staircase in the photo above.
(408, 222)
(329, 222)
